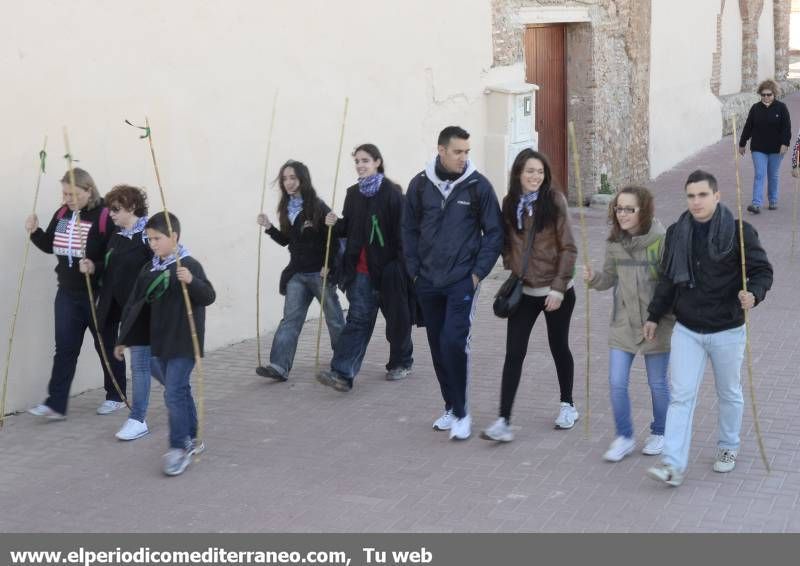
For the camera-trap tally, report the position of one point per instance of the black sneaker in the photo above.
(754, 209)
(333, 379)
(773, 206)
(270, 372)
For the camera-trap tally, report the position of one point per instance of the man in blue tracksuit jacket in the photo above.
(452, 237)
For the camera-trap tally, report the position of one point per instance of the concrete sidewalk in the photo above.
(297, 456)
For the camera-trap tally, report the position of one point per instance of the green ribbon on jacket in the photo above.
(157, 287)
(376, 229)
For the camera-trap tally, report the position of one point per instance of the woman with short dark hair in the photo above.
(769, 129)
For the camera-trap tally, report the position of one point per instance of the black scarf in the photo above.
(443, 173)
(721, 235)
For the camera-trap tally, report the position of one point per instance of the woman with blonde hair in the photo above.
(73, 243)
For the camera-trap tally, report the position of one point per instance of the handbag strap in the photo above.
(526, 257)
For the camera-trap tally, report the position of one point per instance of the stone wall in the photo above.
(607, 81)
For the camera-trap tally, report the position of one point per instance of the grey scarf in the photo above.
(721, 236)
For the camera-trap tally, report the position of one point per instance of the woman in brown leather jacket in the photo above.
(532, 203)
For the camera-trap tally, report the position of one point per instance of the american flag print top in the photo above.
(68, 240)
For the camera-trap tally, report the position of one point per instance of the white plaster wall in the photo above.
(684, 115)
(731, 57)
(766, 43)
(794, 31)
(205, 71)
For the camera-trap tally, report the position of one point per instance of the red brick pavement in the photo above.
(297, 456)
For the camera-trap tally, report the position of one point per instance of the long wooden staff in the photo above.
(330, 234)
(747, 311)
(77, 226)
(261, 231)
(585, 254)
(41, 171)
(198, 359)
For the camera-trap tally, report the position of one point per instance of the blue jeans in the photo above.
(690, 352)
(448, 313)
(619, 374)
(140, 377)
(352, 345)
(72, 318)
(766, 165)
(301, 289)
(175, 375)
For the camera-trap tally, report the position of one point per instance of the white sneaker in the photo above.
(620, 447)
(461, 429)
(726, 460)
(107, 407)
(567, 415)
(132, 429)
(445, 421)
(498, 431)
(45, 411)
(653, 445)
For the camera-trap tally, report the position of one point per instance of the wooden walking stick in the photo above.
(77, 225)
(198, 359)
(585, 254)
(261, 232)
(747, 311)
(41, 171)
(328, 241)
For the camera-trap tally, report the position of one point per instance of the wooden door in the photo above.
(545, 66)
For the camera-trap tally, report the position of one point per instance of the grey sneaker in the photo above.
(45, 411)
(271, 373)
(396, 374)
(176, 461)
(107, 407)
(445, 421)
(333, 379)
(196, 447)
(666, 474)
(499, 431)
(726, 461)
(567, 415)
(754, 209)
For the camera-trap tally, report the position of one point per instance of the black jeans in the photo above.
(72, 317)
(520, 325)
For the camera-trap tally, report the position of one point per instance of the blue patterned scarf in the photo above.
(294, 208)
(162, 264)
(527, 202)
(369, 186)
(138, 227)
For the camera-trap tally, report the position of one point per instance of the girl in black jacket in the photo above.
(127, 253)
(73, 244)
(301, 217)
(373, 273)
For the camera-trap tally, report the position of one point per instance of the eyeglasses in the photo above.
(766, 94)
(114, 209)
(625, 210)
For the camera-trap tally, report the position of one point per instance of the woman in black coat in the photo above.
(372, 273)
(301, 217)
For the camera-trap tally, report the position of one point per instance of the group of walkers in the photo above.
(419, 258)
(132, 270)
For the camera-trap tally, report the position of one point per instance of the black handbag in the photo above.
(509, 296)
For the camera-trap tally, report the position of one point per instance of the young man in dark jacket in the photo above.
(702, 283)
(452, 237)
(159, 287)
